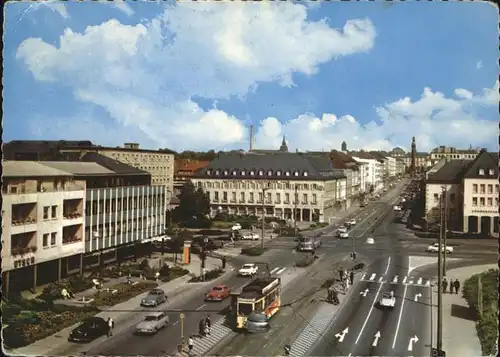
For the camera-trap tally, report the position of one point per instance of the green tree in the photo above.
(194, 206)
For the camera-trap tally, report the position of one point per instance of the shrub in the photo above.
(78, 284)
(253, 251)
(125, 292)
(165, 270)
(286, 232)
(210, 275)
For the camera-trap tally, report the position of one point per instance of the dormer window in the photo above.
(234, 172)
(252, 173)
(225, 172)
(481, 172)
(278, 173)
(261, 172)
(296, 173)
(217, 172)
(209, 172)
(287, 173)
(269, 173)
(305, 173)
(242, 173)
(492, 172)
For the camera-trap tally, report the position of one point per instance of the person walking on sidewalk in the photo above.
(111, 325)
(444, 285)
(351, 277)
(452, 285)
(190, 344)
(341, 274)
(456, 284)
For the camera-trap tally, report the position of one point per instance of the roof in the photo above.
(451, 171)
(189, 165)
(31, 169)
(79, 168)
(112, 164)
(363, 155)
(272, 166)
(487, 161)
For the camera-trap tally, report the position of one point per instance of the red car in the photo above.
(218, 293)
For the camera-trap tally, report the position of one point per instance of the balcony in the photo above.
(215, 200)
(73, 208)
(242, 201)
(72, 234)
(250, 201)
(233, 201)
(24, 213)
(305, 203)
(224, 200)
(286, 202)
(23, 243)
(314, 203)
(278, 202)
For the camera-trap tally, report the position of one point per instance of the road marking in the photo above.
(404, 279)
(364, 292)
(419, 281)
(410, 281)
(380, 279)
(375, 340)
(341, 335)
(428, 283)
(417, 296)
(400, 313)
(274, 270)
(395, 280)
(175, 323)
(373, 303)
(280, 271)
(372, 277)
(200, 307)
(412, 341)
(363, 276)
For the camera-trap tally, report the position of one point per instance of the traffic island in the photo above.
(253, 251)
(209, 276)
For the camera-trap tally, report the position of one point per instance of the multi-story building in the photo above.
(400, 167)
(274, 185)
(422, 159)
(352, 170)
(184, 170)
(371, 169)
(43, 224)
(466, 192)
(159, 164)
(452, 153)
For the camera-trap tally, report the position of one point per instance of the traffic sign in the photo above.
(181, 315)
(438, 353)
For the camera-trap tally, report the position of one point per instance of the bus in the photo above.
(262, 294)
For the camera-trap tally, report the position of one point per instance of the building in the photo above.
(351, 169)
(159, 164)
(400, 167)
(184, 170)
(451, 153)
(273, 184)
(43, 224)
(471, 198)
(371, 170)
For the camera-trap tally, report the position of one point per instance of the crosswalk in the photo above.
(396, 279)
(218, 331)
(278, 270)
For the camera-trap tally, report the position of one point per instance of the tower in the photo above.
(284, 147)
(413, 155)
(251, 137)
(343, 146)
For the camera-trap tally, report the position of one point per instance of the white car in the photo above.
(370, 241)
(236, 227)
(435, 247)
(341, 229)
(152, 323)
(343, 235)
(397, 208)
(387, 300)
(352, 222)
(250, 236)
(248, 270)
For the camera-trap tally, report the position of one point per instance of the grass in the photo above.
(222, 225)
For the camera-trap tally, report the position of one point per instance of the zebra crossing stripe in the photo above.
(315, 329)
(428, 283)
(395, 280)
(363, 277)
(218, 331)
(274, 270)
(404, 279)
(373, 277)
(410, 281)
(281, 271)
(380, 279)
(419, 281)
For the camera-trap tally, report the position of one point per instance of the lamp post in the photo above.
(440, 278)
(264, 189)
(295, 211)
(445, 226)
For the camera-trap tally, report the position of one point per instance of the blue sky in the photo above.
(195, 76)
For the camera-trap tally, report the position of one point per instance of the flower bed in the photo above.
(124, 292)
(253, 251)
(210, 275)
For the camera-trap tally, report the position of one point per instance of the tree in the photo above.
(194, 206)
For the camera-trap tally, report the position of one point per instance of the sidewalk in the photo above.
(459, 328)
(124, 313)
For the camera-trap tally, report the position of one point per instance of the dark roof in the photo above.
(112, 164)
(484, 161)
(451, 172)
(306, 166)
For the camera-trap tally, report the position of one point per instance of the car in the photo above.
(152, 323)
(250, 236)
(154, 298)
(435, 247)
(397, 208)
(218, 293)
(90, 329)
(249, 269)
(236, 227)
(257, 322)
(388, 300)
(370, 241)
(352, 222)
(341, 229)
(343, 235)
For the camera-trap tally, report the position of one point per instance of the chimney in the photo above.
(251, 137)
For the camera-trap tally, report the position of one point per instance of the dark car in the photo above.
(90, 329)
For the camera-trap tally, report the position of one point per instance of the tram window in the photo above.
(258, 306)
(245, 309)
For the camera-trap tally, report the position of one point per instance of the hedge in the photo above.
(210, 275)
(487, 322)
(253, 251)
(125, 292)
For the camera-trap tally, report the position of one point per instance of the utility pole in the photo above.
(264, 189)
(295, 211)
(181, 317)
(445, 214)
(440, 279)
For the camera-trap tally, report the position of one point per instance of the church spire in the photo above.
(284, 147)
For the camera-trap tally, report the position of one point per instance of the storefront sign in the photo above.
(20, 263)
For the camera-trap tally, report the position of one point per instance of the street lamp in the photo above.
(295, 211)
(264, 189)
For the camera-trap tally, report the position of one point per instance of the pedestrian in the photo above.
(208, 322)
(452, 285)
(111, 325)
(206, 329)
(341, 274)
(201, 327)
(457, 286)
(344, 285)
(351, 277)
(444, 285)
(190, 344)
(224, 262)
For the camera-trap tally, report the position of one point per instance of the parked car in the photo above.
(236, 227)
(352, 222)
(434, 248)
(343, 235)
(154, 298)
(388, 300)
(249, 269)
(370, 241)
(152, 323)
(90, 329)
(257, 322)
(218, 293)
(342, 229)
(250, 236)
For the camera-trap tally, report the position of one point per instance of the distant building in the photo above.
(184, 170)
(343, 146)
(451, 153)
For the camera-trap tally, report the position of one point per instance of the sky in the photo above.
(197, 76)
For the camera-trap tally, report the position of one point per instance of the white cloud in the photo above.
(433, 119)
(124, 7)
(479, 64)
(212, 51)
(58, 7)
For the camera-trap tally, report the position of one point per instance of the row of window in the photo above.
(482, 188)
(49, 239)
(131, 225)
(251, 196)
(254, 173)
(49, 212)
(125, 203)
(244, 185)
(484, 202)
